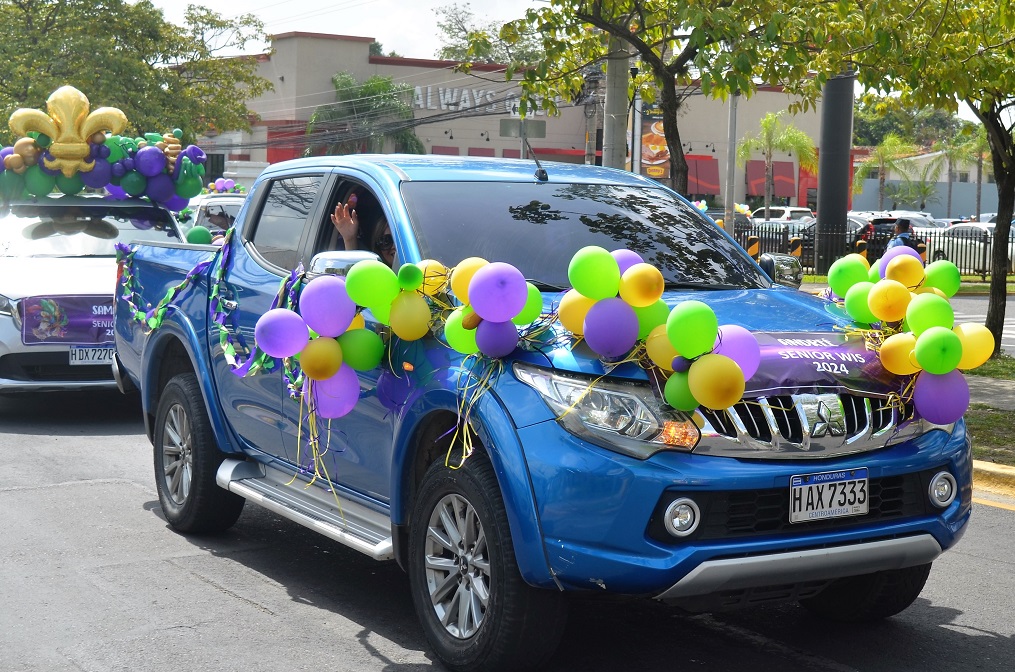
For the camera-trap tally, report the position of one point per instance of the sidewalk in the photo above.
(997, 394)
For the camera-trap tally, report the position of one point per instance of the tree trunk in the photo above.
(881, 189)
(769, 185)
(670, 105)
(1000, 265)
(951, 176)
(979, 182)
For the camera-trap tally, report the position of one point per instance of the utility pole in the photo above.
(833, 168)
(729, 217)
(615, 117)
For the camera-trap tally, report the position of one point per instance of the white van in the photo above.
(782, 213)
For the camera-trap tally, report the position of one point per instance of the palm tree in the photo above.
(956, 150)
(774, 136)
(368, 116)
(889, 155)
(919, 184)
(981, 148)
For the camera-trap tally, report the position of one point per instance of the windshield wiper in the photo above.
(700, 285)
(547, 287)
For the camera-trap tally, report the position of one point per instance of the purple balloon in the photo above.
(5, 152)
(326, 306)
(739, 345)
(281, 333)
(894, 252)
(98, 176)
(496, 339)
(626, 259)
(220, 184)
(337, 395)
(681, 364)
(128, 165)
(497, 292)
(149, 161)
(116, 192)
(160, 188)
(941, 399)
(611, 327)
(229, 184)
(392, 391)
(118, 169)
(176, 203)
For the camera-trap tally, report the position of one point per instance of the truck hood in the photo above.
(805, 342)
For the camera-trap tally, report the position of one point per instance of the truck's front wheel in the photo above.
(186, 460)
(869, 597)
(475, 609)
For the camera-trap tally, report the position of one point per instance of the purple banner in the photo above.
(74, 320)
(804, 361)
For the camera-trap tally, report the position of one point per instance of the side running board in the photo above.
(346, 522)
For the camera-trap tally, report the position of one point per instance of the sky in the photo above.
(408, 27)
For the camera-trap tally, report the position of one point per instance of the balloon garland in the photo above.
(903, 310)
(69, 147)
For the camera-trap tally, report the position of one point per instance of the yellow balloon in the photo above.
(896, 354)
(410, 316)
(931, 290)
(572, 311)
(977, 344)
(357, 322)
(435, 276)
(462, 274)
(321, 358)
(905, 269)
(642, 285)
(861, 258)
(888, 300)
(716, 381)
(659, 348)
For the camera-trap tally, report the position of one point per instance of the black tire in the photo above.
(939, 255)
(869, 597)
(186, 459)
(520, 626)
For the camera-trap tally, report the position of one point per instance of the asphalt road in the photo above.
(92, 579)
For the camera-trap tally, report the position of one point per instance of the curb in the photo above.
(996, 478)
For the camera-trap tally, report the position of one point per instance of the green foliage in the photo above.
(127, 55)
(463, 39)
(366, 117)
(774, 136)
(890, 155)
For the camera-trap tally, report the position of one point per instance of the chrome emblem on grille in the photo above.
(825, 416)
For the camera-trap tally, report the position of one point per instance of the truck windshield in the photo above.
(537, 227)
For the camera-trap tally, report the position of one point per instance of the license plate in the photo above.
(828, 494)
(82, 355)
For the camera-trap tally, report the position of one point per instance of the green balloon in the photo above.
(38, 182)
(594, 273)
(938, 350)
(362, 349)
(188, 187)
(371, 283)
(134, 183)
(178, 133)
(874, 275)
(533, 307)
(458, 337)
(845, 273)
(381, 313)
(856, 303)
(115, 150)
(678, 393)
(943, 275)
(651, 317)
(12, 185)
(692, 327)
(410, 277)
(199, 235)
(929, 310)
(69, 185)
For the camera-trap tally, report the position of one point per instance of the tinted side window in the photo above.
(283, 217)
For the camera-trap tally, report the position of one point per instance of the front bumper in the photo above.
(45, 368)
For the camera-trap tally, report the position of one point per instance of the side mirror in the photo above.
(783, 269)
(337, 262)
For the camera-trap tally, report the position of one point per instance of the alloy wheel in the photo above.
(177, 454)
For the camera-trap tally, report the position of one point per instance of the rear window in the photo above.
(538, 228)
(80, 230)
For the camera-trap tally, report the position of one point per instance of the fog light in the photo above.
(942, 489)
(682, 517)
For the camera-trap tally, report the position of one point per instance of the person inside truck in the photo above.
(375, 237)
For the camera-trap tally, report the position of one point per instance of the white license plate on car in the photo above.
(828, 494)
(81, 355)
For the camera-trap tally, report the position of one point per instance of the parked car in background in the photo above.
(57, 278)
(781, 212)
(969, 246)
(945, 222)
(217, 212)
(741, 222)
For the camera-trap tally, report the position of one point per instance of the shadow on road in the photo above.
(71, 414)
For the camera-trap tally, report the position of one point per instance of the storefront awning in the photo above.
(702, 175)
(782, 176)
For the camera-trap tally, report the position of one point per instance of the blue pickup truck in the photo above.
(821, 486)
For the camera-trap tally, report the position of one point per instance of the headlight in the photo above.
(623, 417)
(10, 307)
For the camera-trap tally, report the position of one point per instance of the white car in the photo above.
(968, 246)
(781, 213)
(57, 280)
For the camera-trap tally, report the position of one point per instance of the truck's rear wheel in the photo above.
(476, 610)
(869, 597)
(186, 459)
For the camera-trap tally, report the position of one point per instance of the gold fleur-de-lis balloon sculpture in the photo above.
(70, 126)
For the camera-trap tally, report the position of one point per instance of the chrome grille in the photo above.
(805, 425)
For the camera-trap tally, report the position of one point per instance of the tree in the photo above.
(127, 56)
(723, 47)
(919, 184)
(889, 155)
(772, 137)
(457, 24)
(957, 150)
(367, 116)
